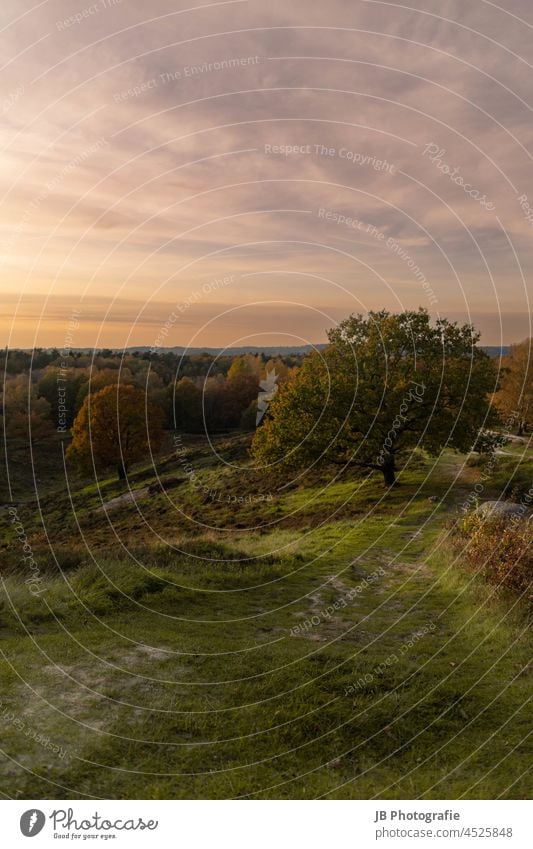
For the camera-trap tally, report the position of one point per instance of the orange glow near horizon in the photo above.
(142, 160)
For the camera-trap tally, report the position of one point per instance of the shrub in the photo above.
(498, 548)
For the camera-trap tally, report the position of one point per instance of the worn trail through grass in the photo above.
(341, 654)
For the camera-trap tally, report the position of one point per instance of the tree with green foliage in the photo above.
(117, 426)
(385, 385)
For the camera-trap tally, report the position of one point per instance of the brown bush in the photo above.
(499, 549)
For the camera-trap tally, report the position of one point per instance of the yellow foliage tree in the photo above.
(515, 398)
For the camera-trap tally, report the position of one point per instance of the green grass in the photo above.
(184, 668)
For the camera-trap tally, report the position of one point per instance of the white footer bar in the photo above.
(267, 824)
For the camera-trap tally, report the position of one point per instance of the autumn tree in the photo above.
(247, 364)
(24, 414)
(187, 403)
(116, 426)
(384, 385)
(239, 392)
(273, 375)
(97, 378)
(282, 371)
(61, 387)
(515, 398)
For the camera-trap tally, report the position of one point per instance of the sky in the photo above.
(250, 173)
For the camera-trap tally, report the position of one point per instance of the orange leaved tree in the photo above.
(116, 426)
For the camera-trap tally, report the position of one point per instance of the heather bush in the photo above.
(498, 548)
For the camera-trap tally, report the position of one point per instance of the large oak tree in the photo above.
(384, 385)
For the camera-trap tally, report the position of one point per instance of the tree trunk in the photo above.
(389, 472)
(122, 471)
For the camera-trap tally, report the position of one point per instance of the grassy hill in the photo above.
(206, 633)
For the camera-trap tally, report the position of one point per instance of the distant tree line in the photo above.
(45, 391)
(384, 385)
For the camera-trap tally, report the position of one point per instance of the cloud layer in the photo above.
(329, 158)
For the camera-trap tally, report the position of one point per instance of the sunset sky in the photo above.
(260, 170)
